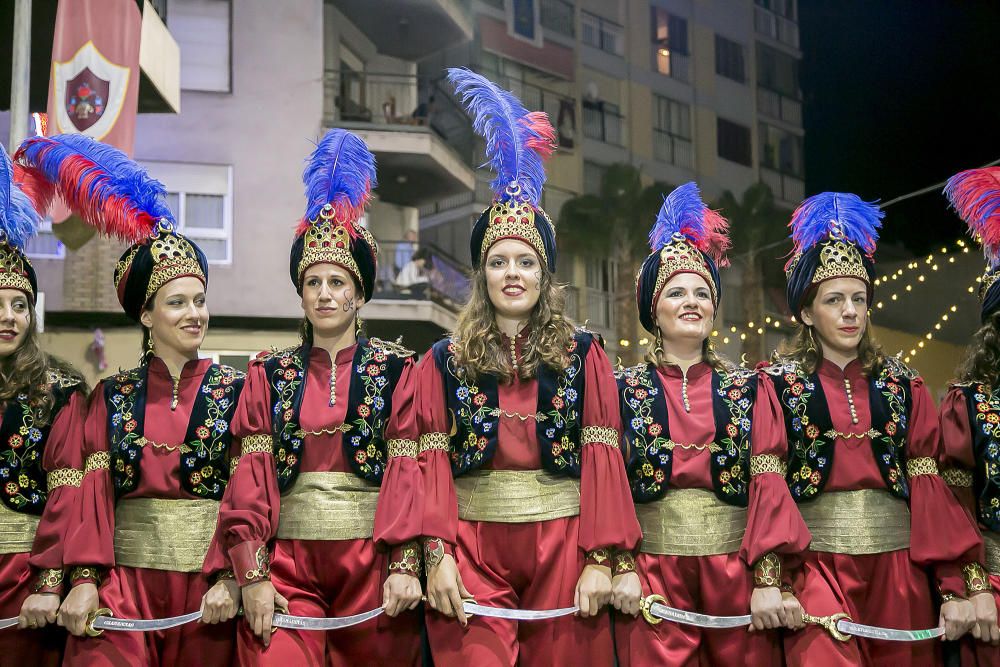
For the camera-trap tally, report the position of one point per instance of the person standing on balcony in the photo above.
(710, 493)
(156, 437)
(323, 514)
(970, 412)
(526, 496)
(863, 446)
(44, 404)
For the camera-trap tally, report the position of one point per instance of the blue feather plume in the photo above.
(684, 213)
(18, 219)
(340, 172)
(836, 215)
(517, 141)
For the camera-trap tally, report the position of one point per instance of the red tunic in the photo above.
(527, 565)
(132, 592)
(885, 589)
(717, 584)
(322, 577)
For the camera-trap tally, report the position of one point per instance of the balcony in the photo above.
(602, 34)
(778, 28)
(557, 16)
(788, 189)
(671, 149)
(410, 29)
(781, 107)
(425, 151)
(536, 98)
(602, 124)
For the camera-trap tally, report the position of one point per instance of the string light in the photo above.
(936, 327)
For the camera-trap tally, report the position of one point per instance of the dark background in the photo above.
(900, 95)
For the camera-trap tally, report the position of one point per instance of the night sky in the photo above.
(899, 95)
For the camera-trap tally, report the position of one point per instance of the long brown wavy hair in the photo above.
(806, 348)
(982, 358)
(479, 349)
(26, 371)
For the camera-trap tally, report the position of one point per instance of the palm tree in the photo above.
(615, 224)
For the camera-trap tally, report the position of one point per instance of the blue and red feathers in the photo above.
(340, 172)
(517, 141)
(98, 182)
(685, 214)
(18, 218)
(839, 215)
(975, 194)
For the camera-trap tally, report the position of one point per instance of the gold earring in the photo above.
(812, 341)
(150, 349)
(358, 323)
(658, 350)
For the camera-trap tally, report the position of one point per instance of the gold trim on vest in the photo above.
(328, 506)
(691, 522)
(869, 521)
(164, 534)
(516, 496)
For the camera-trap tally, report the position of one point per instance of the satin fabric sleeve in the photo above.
(607, 514)
(399, 514)
(440, 514)
(957, 452)
(62, 460)
(774, 523)
(90, 535)
(942, 533)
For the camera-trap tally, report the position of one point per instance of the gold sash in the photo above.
(992, 543)
(868, 521)
(516, 496)
(691, 522)
(17, 530)
(328, 506)
(164, 534)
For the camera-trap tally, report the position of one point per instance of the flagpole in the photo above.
(20, 74)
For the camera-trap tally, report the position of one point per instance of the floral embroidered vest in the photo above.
(22, 442)
(811, 435)
(476, 411)
(377, 366)
(204, 467)
(647, 432)
(984, 420)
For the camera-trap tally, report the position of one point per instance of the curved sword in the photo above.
(473, 609)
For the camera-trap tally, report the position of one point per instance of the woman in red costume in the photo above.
(703, 487)
(526, 493)
(970, 412)
(863, 440)
(43, 402)
(157, 436)
(322, 516)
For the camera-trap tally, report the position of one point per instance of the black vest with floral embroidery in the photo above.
(376, 368)
(475, 409)
(647, 432)
(984, 420)
(23, 485)
(811, 435)
(204, 466)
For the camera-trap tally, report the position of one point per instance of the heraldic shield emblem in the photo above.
(90, 90)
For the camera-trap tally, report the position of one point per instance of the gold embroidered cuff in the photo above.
(97, 461)
(763, 463)
(601, 434)
(623, 563)
(256, 443)
(923, 465)
(406, 448)
(223, 575)
(84, 575)
(261, 567)
(767, 571)
(64, 477)
(49, 581)
(957, 477)
(976, 579)
(434, 552)
(600, 556)
(407, 561)
(429, 441)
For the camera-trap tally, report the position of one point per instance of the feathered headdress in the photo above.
(339, 177)
(687, 236)
(834, 235)
(975, 195)
(517, 143)
(18, 223)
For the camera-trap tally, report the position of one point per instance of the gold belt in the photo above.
(164, 534)
(17, 530)
(516, 496)
(328, 506)
(691, 522)
(992, 543)
(868, 521)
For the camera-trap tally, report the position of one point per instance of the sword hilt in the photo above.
(646, 607)
(828, 623)
(90, 630)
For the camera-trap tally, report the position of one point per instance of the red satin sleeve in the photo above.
(440, 515)
(90, 536)
(774, 523)
(607, 515)
(63, 452)
(399, 514)
(956, 444)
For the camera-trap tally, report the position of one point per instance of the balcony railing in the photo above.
(603, 125)
(602, 34)
(776, 27)
(784, 186)
(557, 16)
(775, 105)
(482, 194)
(443, 280)
(600, 308)
(671, 148)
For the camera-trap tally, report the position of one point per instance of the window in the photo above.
(777, 71)
(730, 61)
(781, 150)
(602, 121)
(201, 28)
(602, 34)
(670, 43)
(600, 292)
(671, 131)
(593, 178)
(733, 141)
(783, 8)
(45, 245)
(200, 197)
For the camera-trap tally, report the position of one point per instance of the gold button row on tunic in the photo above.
(850, 400)
(684, 394)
